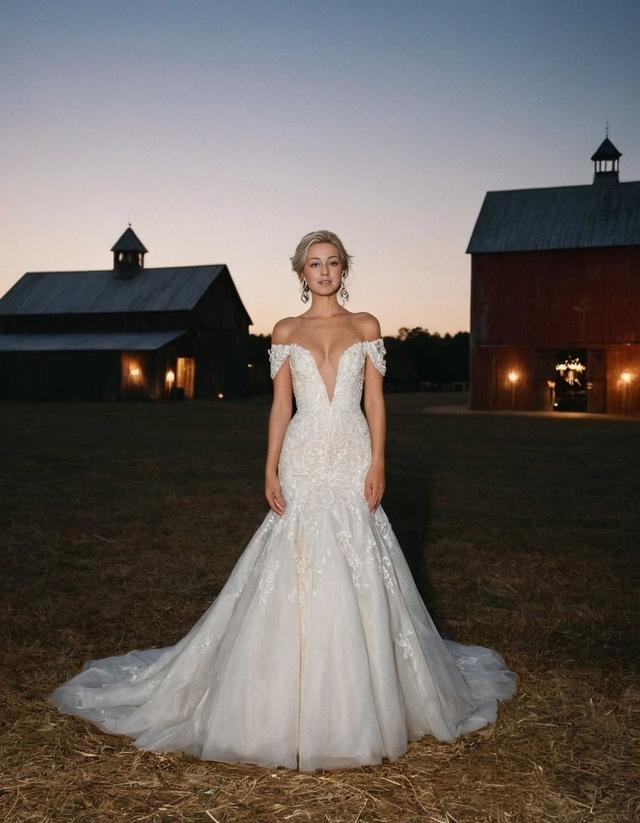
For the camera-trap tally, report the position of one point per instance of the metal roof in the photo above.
(129, 241)
(175, 288)
(130, 341)
(563, 217)
(606, 151)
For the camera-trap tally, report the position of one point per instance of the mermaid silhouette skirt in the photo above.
(319, 651)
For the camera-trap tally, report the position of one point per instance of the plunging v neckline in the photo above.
(340, 359)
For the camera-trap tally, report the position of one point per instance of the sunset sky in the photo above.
(226, 130)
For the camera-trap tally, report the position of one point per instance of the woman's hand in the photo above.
(374, 485)
(273, 493)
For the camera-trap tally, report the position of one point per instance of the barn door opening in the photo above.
(571, 381)
(597, 385)
(545, 388)
(186, 375)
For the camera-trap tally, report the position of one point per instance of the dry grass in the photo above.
(120, 523)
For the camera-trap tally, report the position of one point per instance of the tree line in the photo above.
(419, 356)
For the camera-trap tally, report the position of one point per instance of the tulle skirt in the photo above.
(318, 652)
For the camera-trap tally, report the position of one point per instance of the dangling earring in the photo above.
(305, 291)
(343, 291)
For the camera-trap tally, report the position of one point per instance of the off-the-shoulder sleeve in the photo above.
(376, 351)
(278, 353)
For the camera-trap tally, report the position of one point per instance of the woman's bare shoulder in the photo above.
(368, 325)
(284, 330)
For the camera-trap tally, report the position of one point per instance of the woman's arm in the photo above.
(279, 417)
(375, 412)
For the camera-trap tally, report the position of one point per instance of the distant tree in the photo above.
(432, 358)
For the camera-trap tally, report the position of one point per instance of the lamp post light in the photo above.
(170, 379)
(626, 379)
(513, 377)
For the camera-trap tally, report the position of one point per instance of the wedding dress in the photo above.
(318, 652)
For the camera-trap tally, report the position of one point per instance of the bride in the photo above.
(318, 652)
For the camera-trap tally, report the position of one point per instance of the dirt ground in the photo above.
(121, 522)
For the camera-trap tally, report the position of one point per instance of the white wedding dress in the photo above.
(319, 651)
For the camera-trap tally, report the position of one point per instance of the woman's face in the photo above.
(323, 269)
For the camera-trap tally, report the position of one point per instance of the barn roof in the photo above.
(130, 341)
(174, 288)
(606, 151)
(562, 217)
(129, 241)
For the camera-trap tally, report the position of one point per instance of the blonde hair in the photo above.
(322, 236)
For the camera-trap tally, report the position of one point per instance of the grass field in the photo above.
(120, 523)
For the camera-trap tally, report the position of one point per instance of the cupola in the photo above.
(605, 162)
(128, 255)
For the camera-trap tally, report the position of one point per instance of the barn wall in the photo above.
(527, 306)
(560, 298)
(608, 390)
(623, 397)
(219, 307)
(64, 375)
(222, 363)
(222, 340)
(490, 384)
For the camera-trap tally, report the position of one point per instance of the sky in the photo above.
(224, 131)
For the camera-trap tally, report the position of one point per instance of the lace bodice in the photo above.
(308, 386)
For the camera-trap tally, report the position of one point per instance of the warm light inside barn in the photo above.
(513, 377)
(134, 372)
(170, 378)
(626, 377)
(570, 370)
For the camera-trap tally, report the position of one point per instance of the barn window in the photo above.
(186, 375)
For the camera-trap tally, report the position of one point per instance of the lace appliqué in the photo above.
(265, 584)
(405, 641)
(310, 554)
(278, 353)
(376, 351)
(345, 541)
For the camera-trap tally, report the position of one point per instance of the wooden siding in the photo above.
(556, 298)
(623, 398)
(526, 307)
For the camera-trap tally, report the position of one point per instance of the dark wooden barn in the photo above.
(555, 296)
(124, 333)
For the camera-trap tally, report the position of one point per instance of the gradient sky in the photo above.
(227, 130)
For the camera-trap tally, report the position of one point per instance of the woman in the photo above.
(319, 651)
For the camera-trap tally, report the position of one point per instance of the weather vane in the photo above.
(606, 128)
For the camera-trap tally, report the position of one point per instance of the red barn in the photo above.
(555, 296)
